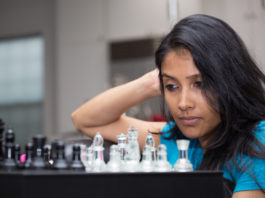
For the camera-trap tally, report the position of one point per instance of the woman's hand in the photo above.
(152, 78)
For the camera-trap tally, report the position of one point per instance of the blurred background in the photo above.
(57, 54)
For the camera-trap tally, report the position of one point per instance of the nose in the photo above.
(185, 101)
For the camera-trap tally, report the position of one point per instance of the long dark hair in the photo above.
(231, 76)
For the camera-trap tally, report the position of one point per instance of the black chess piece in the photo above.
(19, 164)
(9, 158)
(47, 151)
(2, 128)
(60, 162)
(53, 154)
(38, 159)
(29, 155)
(76, 163)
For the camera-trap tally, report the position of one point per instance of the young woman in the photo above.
(215, 96)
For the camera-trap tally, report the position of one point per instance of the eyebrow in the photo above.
(194, 76)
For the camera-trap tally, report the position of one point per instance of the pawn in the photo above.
(29, 155)
(17, 157)
(9, 160)
(46, 155)
(60, 162)
(77, 164)
(38, 159)
(53, 154)
(89, 159)
(162, 165)
(114, 164)
(98, 150)
(2, 124)
(147, 165)
(149, 141)
(122, 146)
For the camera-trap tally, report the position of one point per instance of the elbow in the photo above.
(76, 121)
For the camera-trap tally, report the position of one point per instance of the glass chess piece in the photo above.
(98, 164)
(83, 153)
(147, 164)
(132, 156)
(151, 143)
(161, 164)
(114, 164)
(133, 145)
(183, 164)
(122, 145)
(89, 158)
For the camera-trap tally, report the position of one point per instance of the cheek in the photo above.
(170, 101)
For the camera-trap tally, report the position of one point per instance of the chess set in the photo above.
(43, 171)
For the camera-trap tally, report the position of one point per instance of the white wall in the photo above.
(247, 18)
(82, 58)
(28, 17)
(127, 19)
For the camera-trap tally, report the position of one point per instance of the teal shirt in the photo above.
(242, 180)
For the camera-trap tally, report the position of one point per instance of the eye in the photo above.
(171, 87)
(198, 84)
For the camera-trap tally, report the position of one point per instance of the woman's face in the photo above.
(182, 88)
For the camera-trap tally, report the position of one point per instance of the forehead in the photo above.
(178, 63)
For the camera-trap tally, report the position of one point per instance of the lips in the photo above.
(189, 121)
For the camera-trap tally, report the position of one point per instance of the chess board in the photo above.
(71, 184)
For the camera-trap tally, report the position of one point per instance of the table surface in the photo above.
(51, 183)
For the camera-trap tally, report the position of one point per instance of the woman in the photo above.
(215, 96)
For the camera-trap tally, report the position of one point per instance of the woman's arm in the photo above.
(248, 194)
(104, 112)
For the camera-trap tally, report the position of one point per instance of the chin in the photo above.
(189, 133)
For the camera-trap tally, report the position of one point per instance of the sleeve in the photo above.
(254, 176)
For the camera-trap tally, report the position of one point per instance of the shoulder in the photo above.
(251, 174)
(259, 132)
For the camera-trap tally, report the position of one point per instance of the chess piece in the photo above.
(19, 164)
(149, 141)
(122, 146)
(98, 162)
(183, 164)
(147, 164)
(46, 155)
(89, 159)
(76, 163)
(38, 159)
(133, 146)
(114, 164)
(132, 156)
(162, 165)
(9, 158)
(60, 162)
(29, 155)
(53, 154)
(2, 124)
